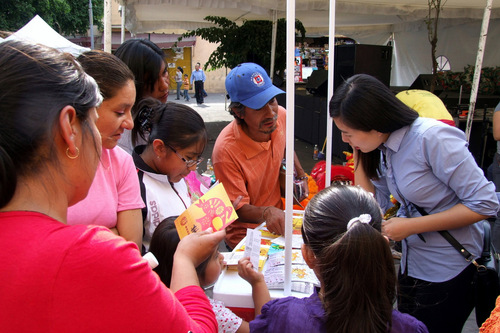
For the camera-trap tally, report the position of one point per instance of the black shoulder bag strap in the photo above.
(457, 245)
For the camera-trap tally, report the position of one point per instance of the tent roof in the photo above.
(164, 41)
(38, 31)
(180, 15)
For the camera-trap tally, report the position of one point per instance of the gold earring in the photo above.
(73, 156)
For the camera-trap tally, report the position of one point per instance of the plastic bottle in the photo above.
(315, 153)
(210, 172)
(210, 168)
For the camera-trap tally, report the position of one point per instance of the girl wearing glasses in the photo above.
(176, 137)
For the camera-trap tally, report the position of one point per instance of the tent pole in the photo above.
(477, 70)
(122, 27)
(290, 114)
(273, 42)
(106, 37)
(91, 25)
(331, 69)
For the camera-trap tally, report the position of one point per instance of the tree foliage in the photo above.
(68, 17)
(432, 21)
(250, 42)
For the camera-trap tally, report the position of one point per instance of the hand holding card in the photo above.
(213, 209)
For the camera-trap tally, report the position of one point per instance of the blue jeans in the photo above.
(186, 95)
(179, 84)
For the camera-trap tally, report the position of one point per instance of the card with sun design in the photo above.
(213, 209)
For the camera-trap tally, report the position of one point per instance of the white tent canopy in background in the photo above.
(38, 31)
(367, 21)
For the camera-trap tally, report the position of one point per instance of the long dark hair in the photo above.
(110, 73)
(36, 83)
(145, 59)
(355, 265)
(163, 245)
(364, 103)
(173, 123)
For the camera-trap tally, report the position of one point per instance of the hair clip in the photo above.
(363, 218)
(144, 118)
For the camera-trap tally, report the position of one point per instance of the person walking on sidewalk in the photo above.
(186, 86)
(198, 77)
(178, 80)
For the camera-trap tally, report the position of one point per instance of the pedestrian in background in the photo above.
(198, 77)
(186, 86)
(178, 80)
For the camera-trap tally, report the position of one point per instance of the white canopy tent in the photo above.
(38, 31)
(367, 21)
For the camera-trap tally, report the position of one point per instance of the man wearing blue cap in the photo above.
(248, 152)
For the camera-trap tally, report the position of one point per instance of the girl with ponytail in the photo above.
(353, 261)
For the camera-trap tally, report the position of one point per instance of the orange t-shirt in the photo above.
(250, 169)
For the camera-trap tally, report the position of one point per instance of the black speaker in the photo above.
(278, 81)
(423, 82)
(352, 59)
(317, 82)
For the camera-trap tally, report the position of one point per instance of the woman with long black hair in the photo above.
(426, 165)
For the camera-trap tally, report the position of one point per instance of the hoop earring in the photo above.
(73, 156)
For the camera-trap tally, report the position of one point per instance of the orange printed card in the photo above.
(213, 209)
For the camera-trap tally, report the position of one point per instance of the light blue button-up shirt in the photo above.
(198, 75)
(429, 164)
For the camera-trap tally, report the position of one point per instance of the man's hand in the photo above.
(275, 220)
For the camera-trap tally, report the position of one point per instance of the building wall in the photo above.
(178, 57)
(215, 78)
(187, 58)
(116, 19)
(200, 52)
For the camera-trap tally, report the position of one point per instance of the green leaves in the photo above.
(68, 17)
(250, 42)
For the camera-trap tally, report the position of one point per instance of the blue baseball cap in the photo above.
(249, 84)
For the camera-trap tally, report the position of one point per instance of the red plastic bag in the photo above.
(339, 173)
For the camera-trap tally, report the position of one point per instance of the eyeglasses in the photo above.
(189, 163)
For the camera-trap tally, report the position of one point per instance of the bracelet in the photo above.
(301, 178)
(263, 212)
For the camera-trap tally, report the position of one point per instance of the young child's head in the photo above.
(163, 245)
(343, 244)
(185, 76)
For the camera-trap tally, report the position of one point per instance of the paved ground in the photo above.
(216, 118)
